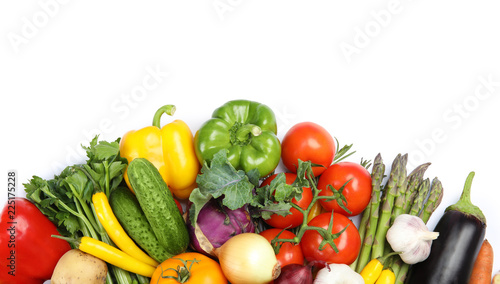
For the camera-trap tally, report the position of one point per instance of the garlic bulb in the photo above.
(337, 273)
(410, 236)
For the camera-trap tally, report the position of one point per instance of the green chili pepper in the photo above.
(247, 130)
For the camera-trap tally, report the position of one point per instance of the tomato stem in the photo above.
(326, 234)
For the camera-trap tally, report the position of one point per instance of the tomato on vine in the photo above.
(308, 141)
(347, 240)
(355, 183)
(288, 253)
(295, 218)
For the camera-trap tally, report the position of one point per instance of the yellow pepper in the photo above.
(386, 277)
(116, 232)
(170, 148)
(373, 270)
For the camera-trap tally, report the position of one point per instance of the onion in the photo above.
(295, 274)
(248, 258)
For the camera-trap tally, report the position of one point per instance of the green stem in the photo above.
(166, 109)
(106, 178)
(246, 129)
(465, 205)
(85, 219)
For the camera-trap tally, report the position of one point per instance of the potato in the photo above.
(76, 266)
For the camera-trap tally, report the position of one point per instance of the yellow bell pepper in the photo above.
(170, 148)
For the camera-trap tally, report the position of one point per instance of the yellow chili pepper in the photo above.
(372, 271)
(115, 256)
(170, 148)
(386, 277)
(116, 232)
(111, 255)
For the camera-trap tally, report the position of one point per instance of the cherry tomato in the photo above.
(357, 191)
(295, 218)
(289, 253)
(204, 271)
(348, 243)
(307, 141)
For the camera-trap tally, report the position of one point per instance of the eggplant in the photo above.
(461, 232)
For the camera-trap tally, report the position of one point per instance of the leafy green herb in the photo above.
(66, 199)
(237, 188)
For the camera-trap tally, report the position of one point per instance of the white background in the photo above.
(417, 77)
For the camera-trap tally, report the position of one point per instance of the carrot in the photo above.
(483, 266)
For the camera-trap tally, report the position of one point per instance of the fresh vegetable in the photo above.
(67, 198)
(236, 189)
(483, 266)
(395, 186)
(170, 148)
(345, 237)
(29, 254)
(308, 141)
(294, 218)
(216, 224)
(401, 193)
(386, 277)
(461, 233)
(76, 266)
(130, 215)
(247, 129)
(158, 205)
(335, 273)
(287, 253)
(295, 274)
(111, 255)
(355, 183)
(410, 236)
(189, 268)
(115, 231)
(248, 258)
(373, 270)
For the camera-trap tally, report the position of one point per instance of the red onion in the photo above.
(295, 274)
(216, 224)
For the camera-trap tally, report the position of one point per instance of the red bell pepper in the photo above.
(28, 253)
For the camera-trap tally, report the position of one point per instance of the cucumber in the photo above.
(158, 205)
(130, 215)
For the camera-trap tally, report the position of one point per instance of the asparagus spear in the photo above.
(423, 192)
(404, 201)
(400, 268)
(436, 195)
(371, 212)
(386, 209)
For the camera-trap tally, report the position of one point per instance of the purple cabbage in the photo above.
(216, 224)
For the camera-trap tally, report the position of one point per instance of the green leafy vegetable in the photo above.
(237, 188)
(67, 198)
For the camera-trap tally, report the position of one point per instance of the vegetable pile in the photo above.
(161, 205)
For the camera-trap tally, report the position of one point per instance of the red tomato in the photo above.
(307, 141)
(348, 243)
(289, 253)
(357, 191)
(295, 218)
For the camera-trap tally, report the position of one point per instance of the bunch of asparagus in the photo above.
(402, 193)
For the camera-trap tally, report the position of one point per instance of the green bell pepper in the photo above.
(247, 130)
